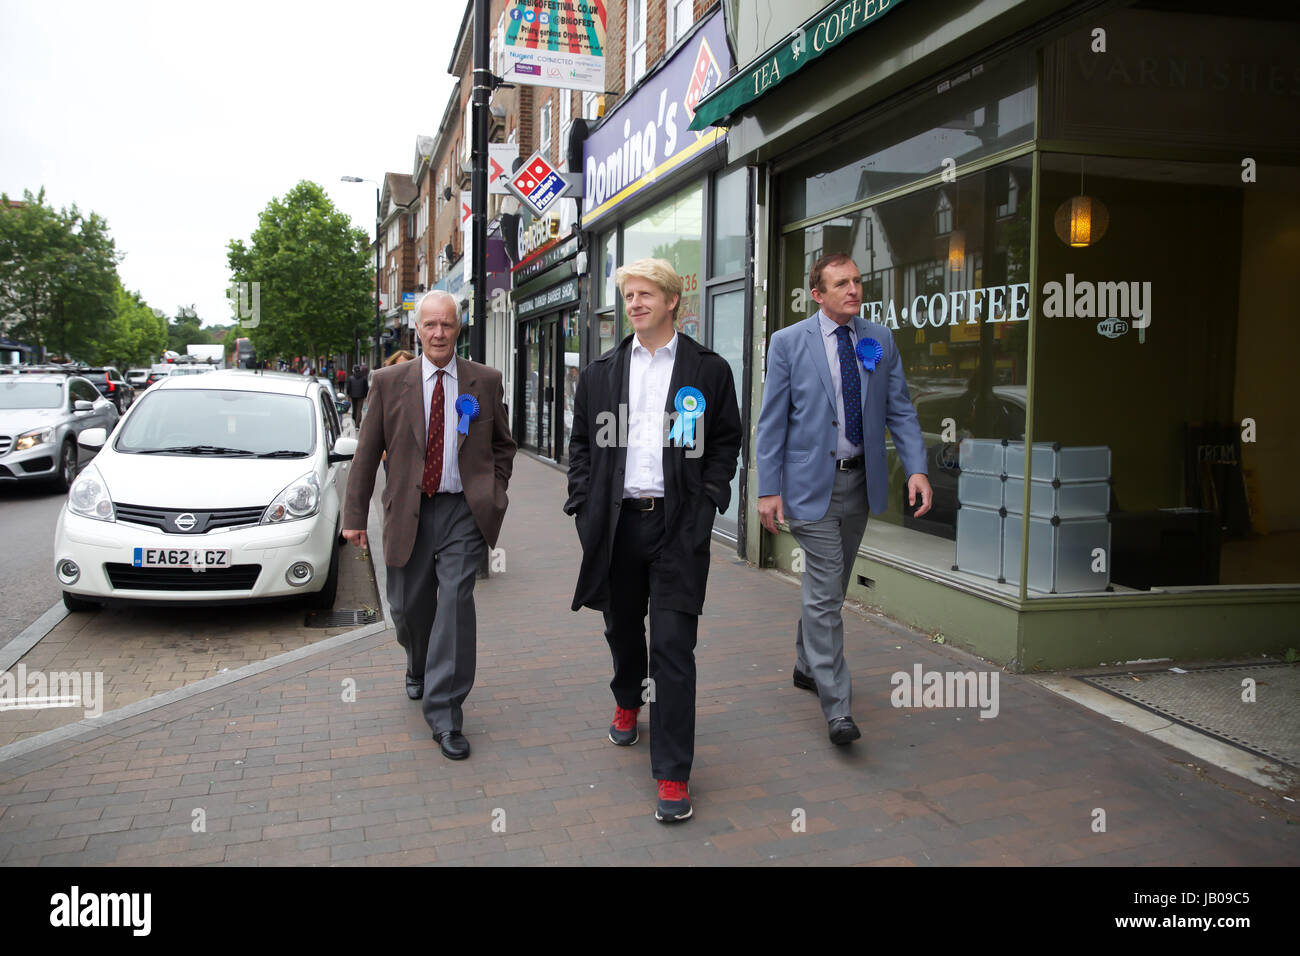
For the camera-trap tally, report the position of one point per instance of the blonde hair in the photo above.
(401, 355)
(658, 272)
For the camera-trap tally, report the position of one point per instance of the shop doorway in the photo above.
(548, 380)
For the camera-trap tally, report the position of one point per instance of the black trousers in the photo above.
(634, 584)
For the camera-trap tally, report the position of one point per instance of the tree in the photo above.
(186, 329)
(58, 275)
(313, 269)
(134, 335)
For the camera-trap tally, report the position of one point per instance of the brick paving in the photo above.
(281, 769)
(142, 652)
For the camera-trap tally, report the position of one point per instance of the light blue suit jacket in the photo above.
(797, 431)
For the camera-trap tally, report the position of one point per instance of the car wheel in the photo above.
(67, 467)
(74, 603)
(323, 600)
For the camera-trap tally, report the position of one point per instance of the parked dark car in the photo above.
(113, 385)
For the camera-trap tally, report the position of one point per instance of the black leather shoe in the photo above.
(843, 730)
(414, 687)
(803, 681)
(453, 743)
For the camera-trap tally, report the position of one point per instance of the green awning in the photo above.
(810, 41)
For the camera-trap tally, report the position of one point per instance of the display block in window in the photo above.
(1052, 460)
(1066, 555)
(980, 490)
(1061, 499)
(979, 541)
(985, 456)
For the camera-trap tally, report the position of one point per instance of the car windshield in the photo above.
(200, 421)
(30, 394)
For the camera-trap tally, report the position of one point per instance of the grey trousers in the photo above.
(829, 547)
(432, 598)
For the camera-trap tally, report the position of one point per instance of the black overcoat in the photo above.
(697, 481)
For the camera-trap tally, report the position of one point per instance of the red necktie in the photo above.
(433, 447)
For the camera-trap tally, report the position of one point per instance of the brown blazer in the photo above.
(394, 423)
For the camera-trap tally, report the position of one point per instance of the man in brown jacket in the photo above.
(443, 423)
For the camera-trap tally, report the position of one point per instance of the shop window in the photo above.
(636, 53)
(730, 215)
(1159, 349)
(962, 333)
(672, 230)
(681, 14)
(991, 109)
(544, 130)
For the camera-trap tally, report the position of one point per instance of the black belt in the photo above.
(642, 504)
(849, 464)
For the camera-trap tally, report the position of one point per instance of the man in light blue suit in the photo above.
(821, 463)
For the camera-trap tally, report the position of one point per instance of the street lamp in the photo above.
(378, 322)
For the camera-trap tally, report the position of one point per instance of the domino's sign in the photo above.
(538, 183)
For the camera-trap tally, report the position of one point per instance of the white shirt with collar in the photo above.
(647, 395)
(450, 444)
(843, 449)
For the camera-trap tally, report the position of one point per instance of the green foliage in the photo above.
(186, 329)
(58, 276)
(134, 336)
(314, 274)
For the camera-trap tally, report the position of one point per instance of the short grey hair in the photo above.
(440, 293)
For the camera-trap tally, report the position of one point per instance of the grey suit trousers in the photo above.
(829, 546)
(432, 598)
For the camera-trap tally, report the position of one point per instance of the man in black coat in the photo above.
(656, 433)
(358, 389)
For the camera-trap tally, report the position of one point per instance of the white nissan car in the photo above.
(217, 488)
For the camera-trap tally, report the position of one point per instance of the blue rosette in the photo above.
(689, 403)
(467, 408)
(870, 352)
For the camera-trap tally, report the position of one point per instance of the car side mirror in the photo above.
(93, 438)
(81, 405)
(343, 450)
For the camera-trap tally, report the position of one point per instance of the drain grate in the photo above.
(341, 618)
(1210, 700)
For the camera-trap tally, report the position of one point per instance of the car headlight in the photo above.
(31, 439)
(300, 500)
(89, 496)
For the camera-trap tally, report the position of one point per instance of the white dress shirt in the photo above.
(450, 445)
(843, 449)
(647, 396)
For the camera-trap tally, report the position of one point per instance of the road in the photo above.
(28, 514)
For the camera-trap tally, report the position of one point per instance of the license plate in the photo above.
(196, 559)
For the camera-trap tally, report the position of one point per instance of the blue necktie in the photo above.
(850, 387)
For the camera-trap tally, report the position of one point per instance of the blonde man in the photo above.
(645, 512)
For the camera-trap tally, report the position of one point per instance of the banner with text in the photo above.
(558, 43)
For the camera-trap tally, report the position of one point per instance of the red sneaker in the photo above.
(674, 802)
(623, 730)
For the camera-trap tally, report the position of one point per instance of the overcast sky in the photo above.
(178, 122)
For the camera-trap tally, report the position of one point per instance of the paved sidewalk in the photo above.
(282, 769)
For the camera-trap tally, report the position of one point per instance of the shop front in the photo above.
(548, 368)
(1082, 241)
(653, 188)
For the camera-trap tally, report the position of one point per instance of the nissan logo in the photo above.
(184, 522)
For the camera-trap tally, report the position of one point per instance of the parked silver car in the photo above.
(41, 415)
